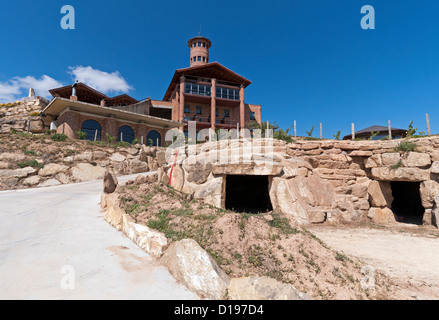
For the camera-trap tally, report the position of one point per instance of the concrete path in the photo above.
(54, 238)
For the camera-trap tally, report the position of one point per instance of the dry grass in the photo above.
(252, 245)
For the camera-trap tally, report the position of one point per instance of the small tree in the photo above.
(310, 132)
(373, 135)
(337, 135)
(81, 135)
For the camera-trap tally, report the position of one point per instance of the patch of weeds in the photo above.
(30, 153)
(303, 253)
(341, 257)
(183, 212)
(396, 166)
(58, 137)
(283, 225)
(406, 146)
(32, 163)
(237, 256)
(161, 223)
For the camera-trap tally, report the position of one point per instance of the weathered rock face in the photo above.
(380, 194)
(23, 116)
(195, 268)
(110, 182)
(52, 169)
(264, 288)
(314, 182)
(381, 215)
(87, 172)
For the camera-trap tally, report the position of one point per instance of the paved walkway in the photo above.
(52, 235)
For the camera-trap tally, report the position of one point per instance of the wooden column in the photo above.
(213, 106)
(242, 109)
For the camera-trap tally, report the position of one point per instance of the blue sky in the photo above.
(309, 60)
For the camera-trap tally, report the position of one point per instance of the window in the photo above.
(198, 89)
(126, 134)
(154, 139)
(199, 44)
(199, 110)
(92, 129)
(187, 119)
(204, 59)
(217, 112)
(226, 113)
(227, 93)
(199, 58)
(204, 44)
(187, 108)
(252, 116)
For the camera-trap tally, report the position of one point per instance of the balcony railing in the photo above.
(219, 120)
(206, 90)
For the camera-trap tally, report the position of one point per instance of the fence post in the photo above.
(121, 137)
(353, 131)
(390, 131)
(63, 127)
(428, 125)
(141, 140)
(321, 131)
(96, 135)
(295, 129)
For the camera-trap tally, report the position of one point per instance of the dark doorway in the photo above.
(248, 194)
(407, 203)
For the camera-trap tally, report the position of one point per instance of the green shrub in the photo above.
(32, 163)
(34, 114)
(81, 135)
(337, 135)
(110, 139)
(58, 137)
(406, 146)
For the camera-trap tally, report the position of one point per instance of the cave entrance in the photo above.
(248, 194)
(407, 203)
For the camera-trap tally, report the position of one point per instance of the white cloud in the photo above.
(100, 80)
(18, 87)
(8, 92)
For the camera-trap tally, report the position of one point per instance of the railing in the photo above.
(200, 119)
(206, 90)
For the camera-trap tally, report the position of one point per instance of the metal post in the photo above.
(428, 125)
(121, 137)
(96, 135)
(63, 127)
(390, 131)
(237, 135)
(353, 131)
(321, 131)
(295, 129)
(141, 140)
(158, 142)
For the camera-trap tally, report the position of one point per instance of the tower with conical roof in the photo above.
(199, 50)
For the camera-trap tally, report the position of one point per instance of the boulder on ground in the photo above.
(195, 268)
(87, 172)
(110, 182)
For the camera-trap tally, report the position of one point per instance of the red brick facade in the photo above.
(71, 122)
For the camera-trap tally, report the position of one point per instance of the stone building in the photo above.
(207, 93)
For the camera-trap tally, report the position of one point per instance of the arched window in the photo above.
(154, 139)
(93, 129)
(125, 134)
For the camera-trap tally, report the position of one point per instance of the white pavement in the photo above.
(44, 230)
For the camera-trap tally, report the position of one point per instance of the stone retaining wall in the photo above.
(315, 181)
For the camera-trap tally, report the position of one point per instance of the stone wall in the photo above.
(85, 166)
(19, 116)
(315, 181)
